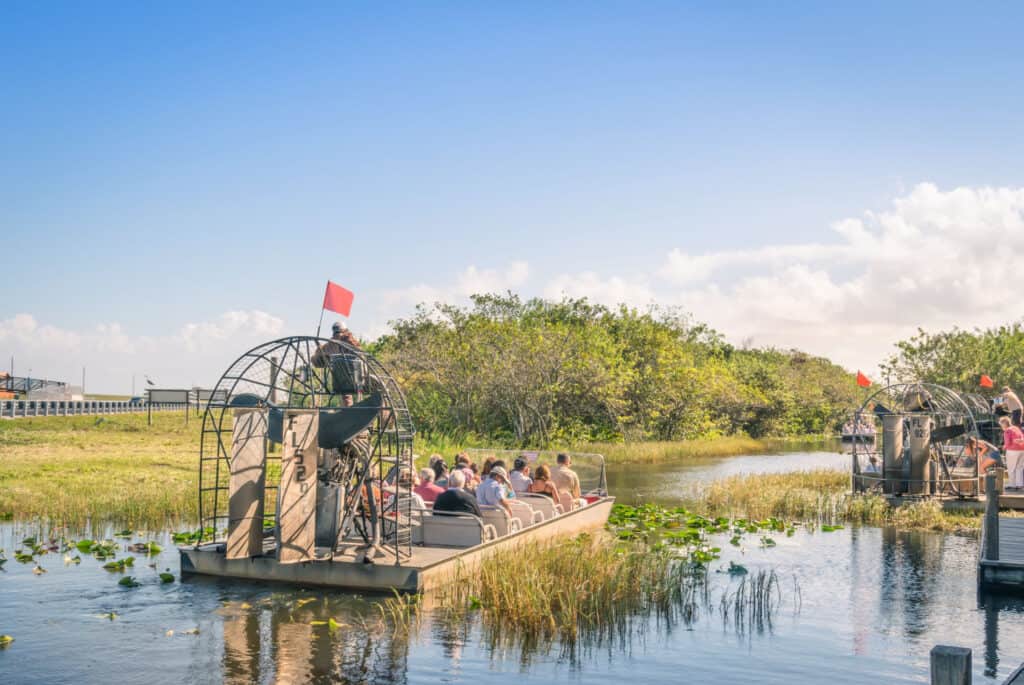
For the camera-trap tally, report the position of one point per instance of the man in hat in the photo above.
(339, 334)
(492, 491)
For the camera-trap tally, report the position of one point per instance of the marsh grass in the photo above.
(819, 497)
(110, 468)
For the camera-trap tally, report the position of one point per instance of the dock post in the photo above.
(991, 518)
(951, 665)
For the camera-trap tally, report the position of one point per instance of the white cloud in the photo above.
(933, 259)
(195, 354)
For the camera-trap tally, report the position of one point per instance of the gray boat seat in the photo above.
(497, 517)
(541, 504)
(454, 529)
(525, 513)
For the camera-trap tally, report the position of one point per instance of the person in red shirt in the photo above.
(1013, 443)
(428, 489)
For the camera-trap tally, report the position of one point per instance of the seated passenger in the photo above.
(564, 477)
(984, 453)
(872, 466)
(426, 489)
(520, 476)
(542, 484)
(455, 498)
(492, 491)
(406, 479)
(440, 474)
(509, 492)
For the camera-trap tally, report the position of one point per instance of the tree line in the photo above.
(536, 372)
(957, 358)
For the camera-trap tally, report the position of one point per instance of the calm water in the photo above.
(858, 605)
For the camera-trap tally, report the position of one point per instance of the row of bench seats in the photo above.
(456, 529)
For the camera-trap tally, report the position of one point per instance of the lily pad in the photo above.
(128, 581)
(5, 640)
(166, 578)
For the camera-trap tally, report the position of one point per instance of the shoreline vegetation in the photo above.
(117, 469)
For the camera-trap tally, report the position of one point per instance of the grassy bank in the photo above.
(653, 452)
(105, 467)
(818, 496)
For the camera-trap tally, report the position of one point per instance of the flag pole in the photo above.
(321, 321)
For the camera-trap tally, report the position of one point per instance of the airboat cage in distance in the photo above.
(916, 442)
(295, 434)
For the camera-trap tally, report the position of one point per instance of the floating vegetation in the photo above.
(110, 615)
(39, 570)
(186, 537)
(825, 528)
(68, 559)
(120, 564)
(23, 557)
(167, 577)
(149, 548)
(124, 534)
(5, 640)
(331, 624)
(128, 581)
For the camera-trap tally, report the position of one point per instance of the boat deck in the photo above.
(424, 569)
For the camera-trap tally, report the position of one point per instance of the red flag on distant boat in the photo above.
(338, 299)
(862, 380)
(986, 382)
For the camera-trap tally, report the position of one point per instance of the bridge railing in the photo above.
(14, 409)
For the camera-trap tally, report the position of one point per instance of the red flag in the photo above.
(338, 299)
(986, 382)
(862, 380)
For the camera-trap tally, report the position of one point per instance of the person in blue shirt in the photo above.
(493, 490)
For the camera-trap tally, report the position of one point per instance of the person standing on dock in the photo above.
(1013, 405)
(1013, 443)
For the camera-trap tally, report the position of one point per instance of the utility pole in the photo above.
(133, 385)
(83, 381)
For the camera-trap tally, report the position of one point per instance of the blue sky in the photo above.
(160, 167)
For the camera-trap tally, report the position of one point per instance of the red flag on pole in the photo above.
(986, 382)
(338, 299)
(862, 380)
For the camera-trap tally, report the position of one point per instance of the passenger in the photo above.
(542, 484)
(440, 474)
(1013, 444)
(462, 462)
(984, 454)
(455, 498)
(564, 477)
(485, 470)
(872, 467)
(427, 489)
(407, 479)
(509, 492)
(492, 491)
(1013, 405)
(434, 458)
(520, 476)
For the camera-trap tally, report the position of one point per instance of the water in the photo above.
(871, 604)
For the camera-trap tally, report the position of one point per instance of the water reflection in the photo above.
(290, 640)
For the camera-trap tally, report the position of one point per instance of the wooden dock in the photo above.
(1001, 560)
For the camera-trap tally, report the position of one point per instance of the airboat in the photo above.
(302, 445)
(922, 446)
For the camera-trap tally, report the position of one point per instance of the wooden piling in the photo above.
(991, 518)
(950, 665)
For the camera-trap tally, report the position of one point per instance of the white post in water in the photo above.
(951, 665)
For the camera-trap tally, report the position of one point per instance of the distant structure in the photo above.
(12, 387)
